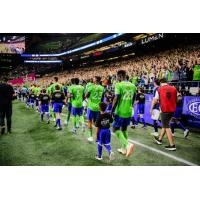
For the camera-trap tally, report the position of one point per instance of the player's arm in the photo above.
(116, 99)
(87, 95)
(154, 101)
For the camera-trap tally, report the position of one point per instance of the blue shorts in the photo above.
(57, 107)
(104, 136)
(178, 113)
(69, 107)
(37, 102)
(32, 101)
(121, 122)
(77, 111)
(44, 108)
(92, 115)
(140, 108)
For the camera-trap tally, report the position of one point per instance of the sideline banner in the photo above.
(22, 80)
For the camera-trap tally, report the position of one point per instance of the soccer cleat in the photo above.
(144, 127)
(74, 131)
(90, 139)
(133, 126)
(157, 140)
(83, 127)
(155, 134)
(186, 133)
(173, 134)
(55, 126)
(130, 150)
(122, 151)
(111, 156)
(59, 128)
(98, 158)
(136, 125)
(171, 148)
(66, 122)
(48, 122)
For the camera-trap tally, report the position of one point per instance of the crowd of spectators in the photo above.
(176, 65)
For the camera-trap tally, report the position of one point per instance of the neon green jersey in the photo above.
(49, 90)
(53, 87)
(96, 93)
(77, 92)
(126, 92)
(87, 86)
(196, 75)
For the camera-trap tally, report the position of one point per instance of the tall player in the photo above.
(76, 93)
(125, 93)
(94, 95)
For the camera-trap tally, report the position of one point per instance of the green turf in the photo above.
(35, 143)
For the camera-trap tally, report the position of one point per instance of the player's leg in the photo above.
(2, 121)
(47, 113)
(99, 145)
(142, 106)
(106, 142)
(181, 126)
(81, 119)
(89, 132)
(74, 122)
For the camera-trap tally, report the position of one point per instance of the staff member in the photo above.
(167, 97)
(6, 97)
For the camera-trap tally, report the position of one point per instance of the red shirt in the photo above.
(168, 98)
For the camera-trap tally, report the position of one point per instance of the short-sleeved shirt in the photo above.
(140, 98)
(103, 121)
(77, 92)
(53, 87)
(6, 94)
(44, 98)
(58, 97)
(96, 94)
(126, 92)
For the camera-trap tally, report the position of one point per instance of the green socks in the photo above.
(90, 132)
(122, 138)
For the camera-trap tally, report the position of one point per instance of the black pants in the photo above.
(6, 112)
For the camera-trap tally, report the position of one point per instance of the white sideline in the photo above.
(158, 151)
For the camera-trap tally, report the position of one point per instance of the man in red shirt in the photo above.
(167, 97)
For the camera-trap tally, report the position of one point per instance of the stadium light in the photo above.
(76, 49)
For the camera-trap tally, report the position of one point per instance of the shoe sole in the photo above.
(172, 149)
(186, 135)
(130, 151)
(157, 142)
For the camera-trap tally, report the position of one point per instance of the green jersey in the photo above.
(36, 90)
(53, 87)
(49, 90)
(87, 86)
(196, 75)
(135, 80)
(77, 92)
(126, 92)
(96, 93)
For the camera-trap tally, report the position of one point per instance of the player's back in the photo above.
(77, 92)
(96, 93)
(126, 92)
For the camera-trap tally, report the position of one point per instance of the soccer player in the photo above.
(176, 119)
(125, 93)
(155, 110)
(140, 100)
(94, 95)
(69, 103)
(32, 99)
(76, 93)
(103, 134)
(58, 99)
(44, 100)
(167, 97)
(53, 88)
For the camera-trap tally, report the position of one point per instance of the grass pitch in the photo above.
(37, 144)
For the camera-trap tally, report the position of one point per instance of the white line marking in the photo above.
(158, 151)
